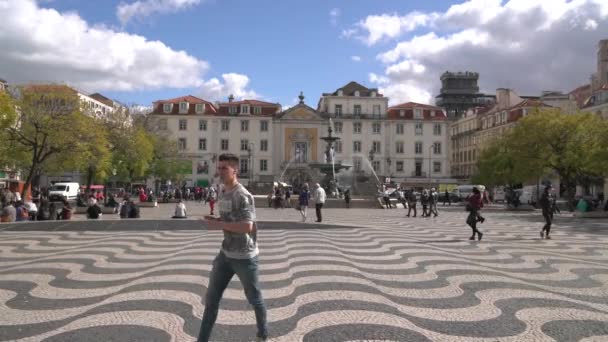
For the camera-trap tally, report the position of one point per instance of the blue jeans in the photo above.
(223, 270)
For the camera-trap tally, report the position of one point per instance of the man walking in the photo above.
(546, 205)
(319, 196)
(239, 252)
(411, 202)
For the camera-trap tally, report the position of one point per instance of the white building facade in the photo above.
(275, 145)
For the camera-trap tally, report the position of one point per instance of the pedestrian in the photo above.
(303, 200)
(424, 200)
(447, 198)
(545, 204)
(433, 199)
(387, 199)
(474, 205)
(319, 197)
(239, 252)
(411, 202)
(347, 198)
(211, 199)
(288, 198)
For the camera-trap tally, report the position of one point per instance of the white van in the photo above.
(67, 190)
(463, 191)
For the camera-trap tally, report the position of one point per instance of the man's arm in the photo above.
(215, 223)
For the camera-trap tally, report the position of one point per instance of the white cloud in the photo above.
(355, 58)
(528, 45)
(44, 45)
(233, 84)
(144, 8)
(333, 16)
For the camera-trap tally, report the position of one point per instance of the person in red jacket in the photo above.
(474, 205)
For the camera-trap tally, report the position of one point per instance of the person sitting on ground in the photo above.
(44, 212)
(94, 212)
(21, 211)
(66, 212)
(125, 207)
(91, 200)
(134, 210)
(9, 213)
(32, 209)
(180, 210)
(111, 201)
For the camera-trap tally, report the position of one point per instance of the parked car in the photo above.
(453, 197)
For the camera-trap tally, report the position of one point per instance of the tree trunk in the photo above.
(570, 192)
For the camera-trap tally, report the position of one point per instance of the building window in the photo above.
(257, 110)
(338, 146)
(417, 113)
(232, 110)
(183, 125)
(436, 167)
(244, 144)
(418, 147)
(399, 128)
(338, 110)
(225, 125)
(200, 107)
(376, 128)
(376, 165)
(338, 127)
(183, 107)
(202, 125)
(244, 166)
(181, 144)
(376, 109)
(162, 124)
(356, 147)
(244, 126)
(400, 166)
(357, 127)
(437, 129)
(399, 147)
(437, 148)
(202, 144)
(263, 145)
(357, 93)
(224, 145)
(376, 147)
(167, 107)
(245, 109)
(418, 128)
(264, 126)
(263, 165)
(357, 110)
(402, 113)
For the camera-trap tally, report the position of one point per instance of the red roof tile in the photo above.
(192, 102)
(394, 112)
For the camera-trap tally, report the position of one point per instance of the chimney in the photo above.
(502, 97)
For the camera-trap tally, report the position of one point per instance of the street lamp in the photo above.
(430, 162)
(250, 148)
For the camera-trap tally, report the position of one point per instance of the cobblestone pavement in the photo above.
(364, 274)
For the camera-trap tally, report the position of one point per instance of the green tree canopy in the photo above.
(573, 146)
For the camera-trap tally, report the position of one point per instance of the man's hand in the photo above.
(212, 222)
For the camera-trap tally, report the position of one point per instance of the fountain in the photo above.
(330, 167)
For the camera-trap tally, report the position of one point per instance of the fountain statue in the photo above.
(331, 167)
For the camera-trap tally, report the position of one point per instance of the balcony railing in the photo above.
(418, 174)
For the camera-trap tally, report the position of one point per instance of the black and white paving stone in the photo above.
(363, 275)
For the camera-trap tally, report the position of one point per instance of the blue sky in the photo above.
(272, 50)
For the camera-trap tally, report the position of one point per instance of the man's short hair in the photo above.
(232, 159)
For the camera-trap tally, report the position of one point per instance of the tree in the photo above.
(573, 146)
(8, 119)
(51, 131)
(132, 153)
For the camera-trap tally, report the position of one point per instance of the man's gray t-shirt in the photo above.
(237, 205)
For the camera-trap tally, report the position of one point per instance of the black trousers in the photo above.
(472, 221)
(411, 206)
(548, 215)
(318, 207)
